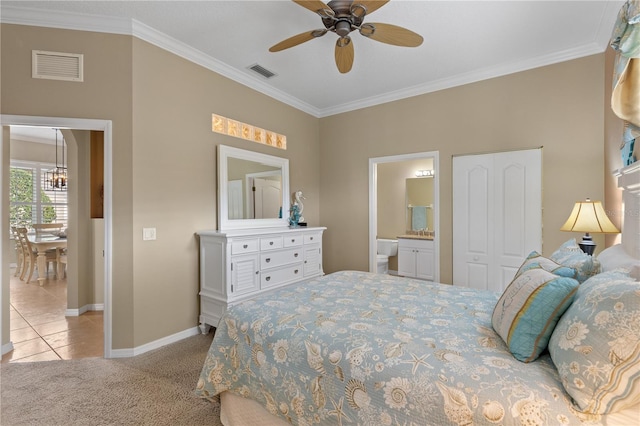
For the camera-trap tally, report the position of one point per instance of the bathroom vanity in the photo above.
(416, 257)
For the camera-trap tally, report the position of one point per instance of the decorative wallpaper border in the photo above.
(227, 126)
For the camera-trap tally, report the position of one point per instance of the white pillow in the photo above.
(615, 257)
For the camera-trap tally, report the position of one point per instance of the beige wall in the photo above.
(174, 176)
(164, 170)
(164, 159)
(558, 107)
(105, 94)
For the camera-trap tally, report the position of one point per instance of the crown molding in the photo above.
(64, 20)
(84, 22)
(163, 41)
(462, 79)
(124, 26)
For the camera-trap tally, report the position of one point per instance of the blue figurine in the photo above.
(295, 216)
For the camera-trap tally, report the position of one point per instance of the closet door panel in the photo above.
(497, 216)
(472, 218)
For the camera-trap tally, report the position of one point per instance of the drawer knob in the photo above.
(245, 245)
(270, 243)
(311, 238)
(268, 279)
(268, 259)
(257, 272)
(295, 272)
(293, 240)
(295, 255)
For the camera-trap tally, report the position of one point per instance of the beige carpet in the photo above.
(155, 388)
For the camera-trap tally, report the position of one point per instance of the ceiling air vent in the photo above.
(262, 71)
(57, 66)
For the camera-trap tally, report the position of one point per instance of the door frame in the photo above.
(373, 203)
(74, 124)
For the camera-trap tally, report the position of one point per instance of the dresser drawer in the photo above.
(280, 276)
(245, 246)
(279, 258)
(293, 240)
(270, 243)
(313, 238)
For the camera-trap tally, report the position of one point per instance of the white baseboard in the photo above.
(126, 353)
(7, 348)
(82, 310)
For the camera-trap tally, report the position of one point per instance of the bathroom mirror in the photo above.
(253, 189)
(419, 202)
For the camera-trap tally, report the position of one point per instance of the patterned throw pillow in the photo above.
(596, 344)
(529, 309)
(570, 254)
(536, 260)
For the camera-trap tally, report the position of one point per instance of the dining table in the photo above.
(42, 243)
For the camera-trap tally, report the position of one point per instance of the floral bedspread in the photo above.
(365, 349)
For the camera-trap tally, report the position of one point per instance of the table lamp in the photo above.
(589, 217)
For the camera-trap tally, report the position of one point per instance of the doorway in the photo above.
(404, 162)
(61, 123)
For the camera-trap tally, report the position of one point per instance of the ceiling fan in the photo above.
(344, 16)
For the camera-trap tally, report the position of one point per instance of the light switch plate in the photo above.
(148, 234)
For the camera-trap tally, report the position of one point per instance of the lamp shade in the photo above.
(589, 216)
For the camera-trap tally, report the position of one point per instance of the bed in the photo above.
(560, 346)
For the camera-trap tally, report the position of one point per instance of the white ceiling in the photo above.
(464, 41)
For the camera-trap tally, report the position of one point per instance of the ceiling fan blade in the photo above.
(316, 6)
(391, 34)
(344, 54)
(297, 39)
(366, 7)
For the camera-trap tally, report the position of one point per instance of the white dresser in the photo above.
(237, 265)
(416, 258)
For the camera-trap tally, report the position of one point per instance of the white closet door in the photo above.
(497, 216)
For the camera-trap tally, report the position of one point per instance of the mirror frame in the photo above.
(224, 223)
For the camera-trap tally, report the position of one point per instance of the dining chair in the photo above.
(47, 228)
(19, 252)
(30, 255)
(61, 259)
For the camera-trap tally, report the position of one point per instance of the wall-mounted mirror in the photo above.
(253, 189)
(419, 196)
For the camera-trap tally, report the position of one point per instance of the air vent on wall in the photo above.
(57, 66)
(262, 71)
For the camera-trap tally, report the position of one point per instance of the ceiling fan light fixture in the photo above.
(343, 17)
(343, 27)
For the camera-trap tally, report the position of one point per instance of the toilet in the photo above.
(385, 249)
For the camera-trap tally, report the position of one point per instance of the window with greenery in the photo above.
(29, 200)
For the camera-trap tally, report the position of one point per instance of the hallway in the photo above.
(41, 332)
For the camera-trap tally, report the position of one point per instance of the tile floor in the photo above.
(40, 331)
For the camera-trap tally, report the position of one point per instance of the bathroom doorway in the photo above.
(390, 212)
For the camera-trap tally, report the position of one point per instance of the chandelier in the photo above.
(56, 179)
